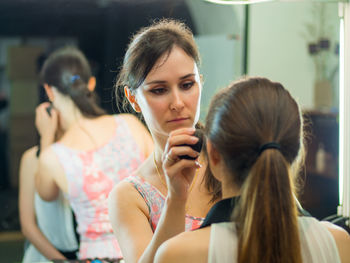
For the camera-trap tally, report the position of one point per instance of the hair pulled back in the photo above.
(148, 45)
(68, 70)
(242, 118)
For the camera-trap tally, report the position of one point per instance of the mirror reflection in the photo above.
(294, 43)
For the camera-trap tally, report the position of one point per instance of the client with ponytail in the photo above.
(94, 153)
(254, 143)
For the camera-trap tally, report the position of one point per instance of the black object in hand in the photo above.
(197, 146)
(48, 109)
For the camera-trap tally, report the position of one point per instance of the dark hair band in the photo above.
(269, 145)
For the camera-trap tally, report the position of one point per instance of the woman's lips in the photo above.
(178, 120)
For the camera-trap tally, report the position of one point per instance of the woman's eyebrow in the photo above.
(156, 82)
(188, 75)
(163, 81)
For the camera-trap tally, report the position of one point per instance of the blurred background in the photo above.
(295, 43)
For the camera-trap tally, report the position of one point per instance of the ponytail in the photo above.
(68, 70)
(266, 216)
(82, 97)
(256, 126)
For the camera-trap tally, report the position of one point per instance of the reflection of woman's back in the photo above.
(95, 152)
(91, 175)
(39, 217)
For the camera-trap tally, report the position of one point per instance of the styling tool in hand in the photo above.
(197, 146)
(48, 110)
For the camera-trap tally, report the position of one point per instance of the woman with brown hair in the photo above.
(166, 195)
(95, 152)
(254, 136)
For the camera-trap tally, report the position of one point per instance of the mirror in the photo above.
(295, 43)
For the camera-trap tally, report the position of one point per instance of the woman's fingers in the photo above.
(181, 140)
(173, 154)
(182, 136)
(178, 144)
(188, 131)
(46, 123)
(181, 171)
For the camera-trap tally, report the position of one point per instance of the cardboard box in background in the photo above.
(22, 137)
(22, 132)
(21, 62)
(24, 97)
(21, 69)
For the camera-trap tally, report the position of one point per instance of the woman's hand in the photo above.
(46, 124)
(179, 172)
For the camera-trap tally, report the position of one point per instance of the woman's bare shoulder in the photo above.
(131, 119)
(186, 247)
(336, 231)
(30, 154)
(122, 189)
(342, 239)
(28, 166)
(48, 157)
(124, 196)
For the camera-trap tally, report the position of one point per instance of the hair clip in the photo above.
(74, 78)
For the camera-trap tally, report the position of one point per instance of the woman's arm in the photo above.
(179, 175)
(129, 213)
(48, 166)
(30, 229)
(171, 223)
(45, 179)
(129, 217)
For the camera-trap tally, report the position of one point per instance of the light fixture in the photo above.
(344, 112)
(236, 2)
(341, 111)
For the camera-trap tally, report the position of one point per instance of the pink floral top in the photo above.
(155, 202)
(91, 176)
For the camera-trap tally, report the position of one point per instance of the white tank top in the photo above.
(55, 220)
(317, 243)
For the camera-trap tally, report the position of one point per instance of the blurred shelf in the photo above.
(11, 236)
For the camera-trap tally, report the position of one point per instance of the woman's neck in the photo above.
(229, 190)
(70, 116)
(159, 146)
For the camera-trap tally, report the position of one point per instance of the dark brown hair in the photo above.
(242, 118)
(148, 45)
(68, 70)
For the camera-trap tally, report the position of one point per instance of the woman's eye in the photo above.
(158, 91)
(187, 85)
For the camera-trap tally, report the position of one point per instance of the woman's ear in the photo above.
(132, 99)
(215, 159)
(92, 84)
(49, 92)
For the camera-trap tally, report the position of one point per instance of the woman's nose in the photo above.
(177, 102)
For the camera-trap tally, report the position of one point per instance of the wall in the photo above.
(220, 40)
(218, 65)
(278, 43)
(278, 39)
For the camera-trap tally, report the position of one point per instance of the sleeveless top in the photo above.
(91, 175)
(154, 200)
(55, 220)
(222, 210)
(317, 243)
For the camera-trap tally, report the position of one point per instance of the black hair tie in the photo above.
(269, 145)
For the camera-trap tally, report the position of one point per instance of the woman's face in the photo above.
(169, 97)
